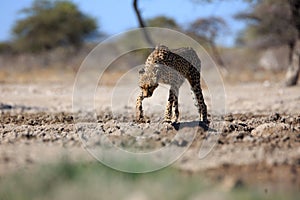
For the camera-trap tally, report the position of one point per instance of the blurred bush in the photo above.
(49, 24)
(162, 21)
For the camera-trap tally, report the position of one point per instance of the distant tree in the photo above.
(197, 29)
(209, 29)
(49, 24)
(6, 48)
(142, 23)
(269, 24)
(273, 23)
(293, 72)
(162, 21)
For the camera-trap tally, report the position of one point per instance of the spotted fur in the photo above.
(171, 67)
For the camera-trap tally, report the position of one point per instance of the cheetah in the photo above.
(171, 67)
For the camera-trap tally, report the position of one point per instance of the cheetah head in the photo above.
(147, 83)
(148, 89)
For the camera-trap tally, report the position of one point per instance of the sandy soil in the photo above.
(258, 141)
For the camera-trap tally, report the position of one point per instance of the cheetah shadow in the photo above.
(192, 124)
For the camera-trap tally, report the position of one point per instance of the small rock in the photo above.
(240, 136)
(228, 118)
(274, 117)
(285, 138)
(155, 137)
(267, 129)
(220, 142)
(20, 117)
(242, 124)
(283, 120)
(69, 119)
(230, 183)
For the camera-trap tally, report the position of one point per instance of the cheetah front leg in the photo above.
(139, 108)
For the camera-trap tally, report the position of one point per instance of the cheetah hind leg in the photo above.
(168, 112)
(175, 107)
(202, 109)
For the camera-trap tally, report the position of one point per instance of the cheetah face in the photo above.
(148, 89)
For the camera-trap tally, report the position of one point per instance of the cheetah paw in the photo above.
(143, 120)
(167, 121)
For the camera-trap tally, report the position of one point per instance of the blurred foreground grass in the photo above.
(66, 180)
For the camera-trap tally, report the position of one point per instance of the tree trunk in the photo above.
(218, 57)
(291, 46)
(293, 71)
(142, 24)
(292, 74)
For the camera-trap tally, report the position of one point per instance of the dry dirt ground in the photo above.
(257, 143)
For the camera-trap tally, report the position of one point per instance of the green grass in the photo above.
(67, 180)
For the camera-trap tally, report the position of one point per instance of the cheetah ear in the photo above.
(161, 46)
(142, 71)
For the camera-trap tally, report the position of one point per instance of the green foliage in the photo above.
(91, 180)
(6, 47)
(208, 28)
(95, 181)
(49, 24)
(162, 21)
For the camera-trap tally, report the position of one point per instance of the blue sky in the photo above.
(115, 16)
